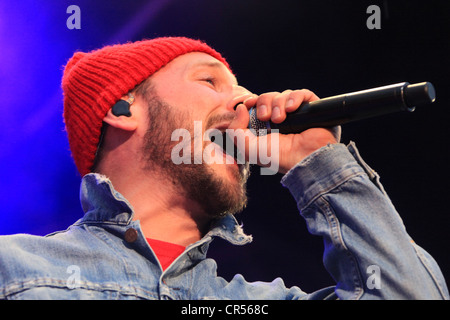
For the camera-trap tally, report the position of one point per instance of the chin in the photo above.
(235, 173)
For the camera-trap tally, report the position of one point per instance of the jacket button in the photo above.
(131, 235)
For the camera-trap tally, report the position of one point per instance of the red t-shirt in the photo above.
(165, 252)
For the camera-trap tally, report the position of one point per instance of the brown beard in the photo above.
(215, 195)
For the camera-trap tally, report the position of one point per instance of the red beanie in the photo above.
(93, 82)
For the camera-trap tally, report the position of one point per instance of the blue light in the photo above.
(39, 182)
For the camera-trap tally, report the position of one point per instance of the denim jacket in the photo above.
(105, 255)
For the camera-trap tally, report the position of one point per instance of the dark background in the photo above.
(321, 45)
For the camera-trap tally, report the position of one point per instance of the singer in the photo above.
(148, 221)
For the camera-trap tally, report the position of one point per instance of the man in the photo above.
(148, 221)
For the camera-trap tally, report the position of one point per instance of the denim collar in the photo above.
(101, 203)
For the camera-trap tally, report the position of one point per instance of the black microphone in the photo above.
(350, 107)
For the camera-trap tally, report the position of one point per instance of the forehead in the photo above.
(190, 62)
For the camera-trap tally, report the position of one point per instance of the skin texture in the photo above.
(176, 203)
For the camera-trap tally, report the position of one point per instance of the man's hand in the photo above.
(274, 106)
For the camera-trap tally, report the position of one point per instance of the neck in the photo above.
(164, 212)
(163, 209)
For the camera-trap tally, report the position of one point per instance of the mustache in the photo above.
(219, 118)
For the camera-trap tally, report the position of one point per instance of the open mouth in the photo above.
(226, 146)
(225, 143)
(231, 155)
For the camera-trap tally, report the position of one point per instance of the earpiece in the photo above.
(122, 107)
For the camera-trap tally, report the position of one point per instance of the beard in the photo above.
(216, 195)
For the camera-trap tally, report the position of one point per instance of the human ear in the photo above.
(120, 115)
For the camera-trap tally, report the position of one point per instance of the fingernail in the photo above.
(290, 103)
(262, 110)
(276, 112)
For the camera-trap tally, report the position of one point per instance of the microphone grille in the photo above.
(260, 127)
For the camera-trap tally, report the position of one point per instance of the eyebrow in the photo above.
(214, 64)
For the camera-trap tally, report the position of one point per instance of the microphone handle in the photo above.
(350, 107)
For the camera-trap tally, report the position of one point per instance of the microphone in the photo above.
(350, 107)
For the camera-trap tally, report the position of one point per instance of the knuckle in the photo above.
(278, 101)
(267, 95)
(265, 98)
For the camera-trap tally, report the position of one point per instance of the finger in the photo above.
(241, 118)
(278, 106)
(250, 101)
(241, 136)
(264, 106)
(298, 97)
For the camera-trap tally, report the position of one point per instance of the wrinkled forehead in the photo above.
(196, 60)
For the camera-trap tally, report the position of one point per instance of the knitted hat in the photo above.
(93, 82)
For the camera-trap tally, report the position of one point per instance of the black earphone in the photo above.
(122, 107)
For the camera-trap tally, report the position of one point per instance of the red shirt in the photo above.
(165, 252)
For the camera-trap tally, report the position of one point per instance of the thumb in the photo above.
(244, 140)
(262, 150)
(241, 118)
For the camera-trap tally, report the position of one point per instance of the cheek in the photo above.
(199, 103)
(191, 98)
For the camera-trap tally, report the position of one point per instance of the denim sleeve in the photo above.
(366, 247)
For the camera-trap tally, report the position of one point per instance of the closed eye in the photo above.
(210, 81)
